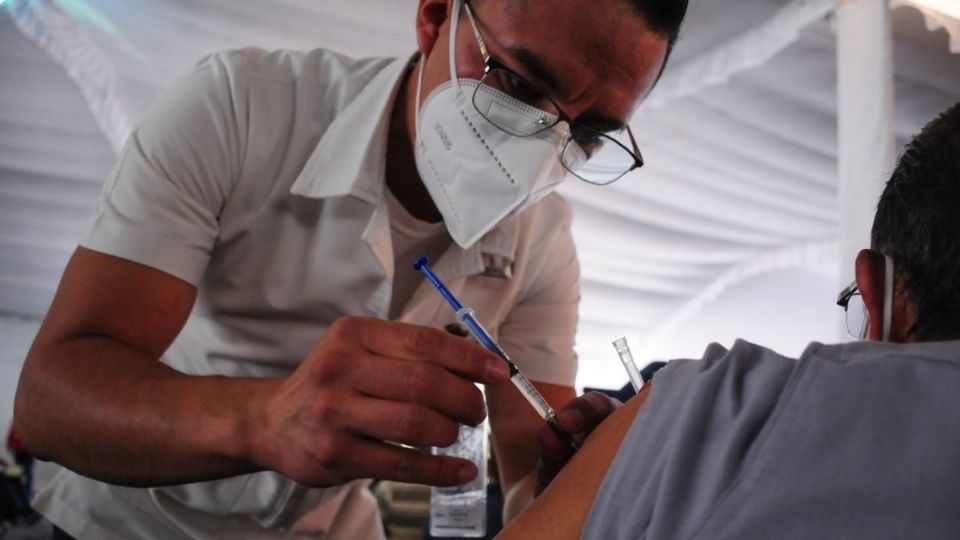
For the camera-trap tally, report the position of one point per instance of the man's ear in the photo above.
(431, 14)
(869, 270)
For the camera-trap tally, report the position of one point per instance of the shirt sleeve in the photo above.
(161, 203)
(539, 332)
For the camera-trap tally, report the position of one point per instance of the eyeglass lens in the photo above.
(599, 158)
(856, 316)
(509, 103)
(513, 105)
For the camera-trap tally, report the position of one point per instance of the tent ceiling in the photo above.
(740, 179)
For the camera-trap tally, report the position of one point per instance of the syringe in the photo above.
(466, 316)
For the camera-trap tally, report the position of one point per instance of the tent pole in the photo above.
(865, 120)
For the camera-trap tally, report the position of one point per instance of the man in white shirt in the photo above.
(220, 343)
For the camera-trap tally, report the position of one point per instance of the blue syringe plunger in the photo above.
(422, 264)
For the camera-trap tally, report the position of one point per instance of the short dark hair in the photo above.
(918, 225)
(664, 17)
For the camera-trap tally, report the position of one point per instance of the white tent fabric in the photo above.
(54, 31)
(730, 230)
(865, 121)
(749, 50)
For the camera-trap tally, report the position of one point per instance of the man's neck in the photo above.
(403, 180)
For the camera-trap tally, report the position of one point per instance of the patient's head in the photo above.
(918, 225)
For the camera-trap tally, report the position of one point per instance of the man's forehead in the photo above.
(574, 48)
(558, 82)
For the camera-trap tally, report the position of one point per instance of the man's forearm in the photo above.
(108, 411)
(515, 426)
(520, 495)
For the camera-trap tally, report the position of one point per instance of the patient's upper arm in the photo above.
(562, 509)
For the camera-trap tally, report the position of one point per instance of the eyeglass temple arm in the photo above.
(636, 149)
(844, 297)
(476, 32)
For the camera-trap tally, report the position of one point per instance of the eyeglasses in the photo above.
(511, 103)
(855, 311)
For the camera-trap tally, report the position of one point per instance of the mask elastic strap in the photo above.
(454, 21)
(887, 297)
(454, 24)
(416, 106)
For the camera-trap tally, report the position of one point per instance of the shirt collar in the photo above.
(350, 158)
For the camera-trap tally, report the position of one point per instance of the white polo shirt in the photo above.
(259, 178)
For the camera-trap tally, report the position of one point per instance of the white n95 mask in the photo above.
(477, 174)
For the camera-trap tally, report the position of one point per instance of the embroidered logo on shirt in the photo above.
(496, 266)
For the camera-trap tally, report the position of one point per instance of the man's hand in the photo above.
(579, 417)
(369, 381)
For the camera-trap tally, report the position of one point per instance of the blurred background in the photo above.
(734, 228)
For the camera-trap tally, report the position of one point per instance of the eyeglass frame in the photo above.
(851, 290)
(843, 300)
(490, 63)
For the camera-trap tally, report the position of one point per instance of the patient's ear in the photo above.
(869, 271)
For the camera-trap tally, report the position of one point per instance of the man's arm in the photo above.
(515, 426)
(538, 332)
(94, 396)
(561, 510)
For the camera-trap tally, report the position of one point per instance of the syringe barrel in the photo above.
(532, 395)
(466, 316)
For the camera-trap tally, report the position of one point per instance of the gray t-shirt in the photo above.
(860, 440)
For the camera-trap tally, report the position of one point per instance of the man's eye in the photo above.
(588, 140)
(586, 137)
(518, 88)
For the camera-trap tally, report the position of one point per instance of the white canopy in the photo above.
(731, 229)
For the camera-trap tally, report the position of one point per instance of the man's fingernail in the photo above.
(466, 473)
(571, 420)
(483, 414)
(497, 370)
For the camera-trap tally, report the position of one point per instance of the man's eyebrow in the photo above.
(600, 122)
(534, 64)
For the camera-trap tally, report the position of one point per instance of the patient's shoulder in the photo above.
(560, 512)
